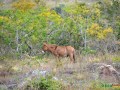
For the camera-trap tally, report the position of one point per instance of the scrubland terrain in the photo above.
(92, 27)
(82, 75)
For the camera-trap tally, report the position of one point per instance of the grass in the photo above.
(98, 85)
(78, 76)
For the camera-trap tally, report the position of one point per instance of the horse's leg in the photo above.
(58, 59)
(71, 58)
(74, 58)
(59, 63)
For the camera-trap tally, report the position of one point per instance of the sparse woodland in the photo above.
(92, 27)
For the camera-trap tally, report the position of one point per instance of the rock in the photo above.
(108, 74)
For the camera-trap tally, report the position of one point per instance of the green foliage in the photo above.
(110, 10)
(88, 50)
(45, 84)
(97, 85)
(76, 9)
(28, 24)
(116, 59)
(98, 32)
(23, 5)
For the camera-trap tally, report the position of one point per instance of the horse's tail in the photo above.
(74, 57)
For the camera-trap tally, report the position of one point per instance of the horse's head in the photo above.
(45, 47)
(48, 47)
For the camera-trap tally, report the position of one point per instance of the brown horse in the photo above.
(60, 51)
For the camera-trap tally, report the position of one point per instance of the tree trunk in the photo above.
(17, 42)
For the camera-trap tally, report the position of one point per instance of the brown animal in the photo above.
(60, 51)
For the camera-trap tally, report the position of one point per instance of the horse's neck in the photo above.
(52, 50)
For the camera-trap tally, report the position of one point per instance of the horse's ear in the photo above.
(54, 47)
(44, 44)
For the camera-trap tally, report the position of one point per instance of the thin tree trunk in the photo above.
(17, 42)
(85, 38)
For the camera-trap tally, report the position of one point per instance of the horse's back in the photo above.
(70, 48)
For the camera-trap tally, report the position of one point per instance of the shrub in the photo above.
(96, 85)
(116, 59)
(88, 50)
(45, 83)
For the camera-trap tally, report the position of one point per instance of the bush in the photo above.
(116, 59)
(88, 50)
(44, 83)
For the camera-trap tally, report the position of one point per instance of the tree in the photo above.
(110, 10)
